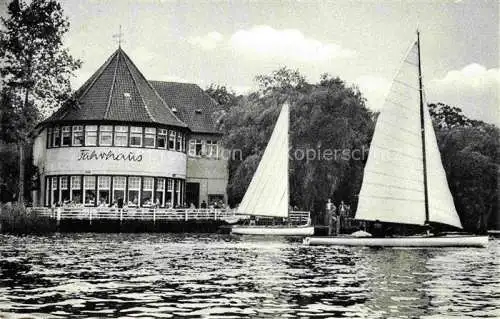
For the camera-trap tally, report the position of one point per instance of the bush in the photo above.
(17, 219)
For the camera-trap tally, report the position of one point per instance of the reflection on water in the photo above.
(165, 275)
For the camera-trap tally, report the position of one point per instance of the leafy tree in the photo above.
(35, 68)
(226, 98)
(283, 78)
(445, 116)
(222, 95)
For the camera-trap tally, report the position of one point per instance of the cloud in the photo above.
(264, 41)
(208, 41)
(474, 89)
(374, 89)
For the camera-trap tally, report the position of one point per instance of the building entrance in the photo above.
(193, 194)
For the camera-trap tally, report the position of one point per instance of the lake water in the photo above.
(211, 276)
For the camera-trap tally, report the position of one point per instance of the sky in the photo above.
(362, 42)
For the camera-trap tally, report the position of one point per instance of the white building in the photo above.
(124, 139)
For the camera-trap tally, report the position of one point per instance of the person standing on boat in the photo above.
(342, 208)
(332, 218)
(342, 215)
(328, 209)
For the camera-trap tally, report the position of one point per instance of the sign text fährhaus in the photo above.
(88, 155)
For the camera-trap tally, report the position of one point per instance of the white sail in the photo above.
(393, 187)
(393, 183)
(267, 194)
(441, 206)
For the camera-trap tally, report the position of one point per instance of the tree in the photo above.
(222, 95)
(35, 67)
(446, 116)
(226, 98)
(283, 78)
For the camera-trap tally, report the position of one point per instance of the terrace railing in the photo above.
(152, 214)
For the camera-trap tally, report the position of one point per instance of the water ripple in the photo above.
(200, 276)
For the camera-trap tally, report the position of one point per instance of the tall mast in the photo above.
(422, 130)
(287, 161)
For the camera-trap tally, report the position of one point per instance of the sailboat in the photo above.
(268, 192)
(404, 180)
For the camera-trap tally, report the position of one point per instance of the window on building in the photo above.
(198, 147)
(136, 136)
(178, 199)
(105, 135)
(171, 140)
(76, 189)
(56, 137)
(212, 148)
(55, 191)
(192, 148)
(66, 136)
(89, 195)
(103, 190)
(178, 145)
(134, 189)
(77, 135)
(147, 192)
(161, 141)
(170, 193)
(149, 136)
(160, 192)
(49, 137)
(121, 135)
(47, 191)
(64, 189)
(91, 135)
(119, 183)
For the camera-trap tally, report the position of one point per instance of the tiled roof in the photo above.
(118, 92)
(193, 105)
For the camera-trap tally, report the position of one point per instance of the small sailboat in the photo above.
(404, 180)
(268, 192)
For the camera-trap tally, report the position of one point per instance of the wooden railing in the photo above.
(152, 214)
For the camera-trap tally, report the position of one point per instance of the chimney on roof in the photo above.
(198, 111)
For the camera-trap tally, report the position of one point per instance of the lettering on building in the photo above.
(88, 155)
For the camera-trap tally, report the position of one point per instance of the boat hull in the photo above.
(437, 241)
(273, 230)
